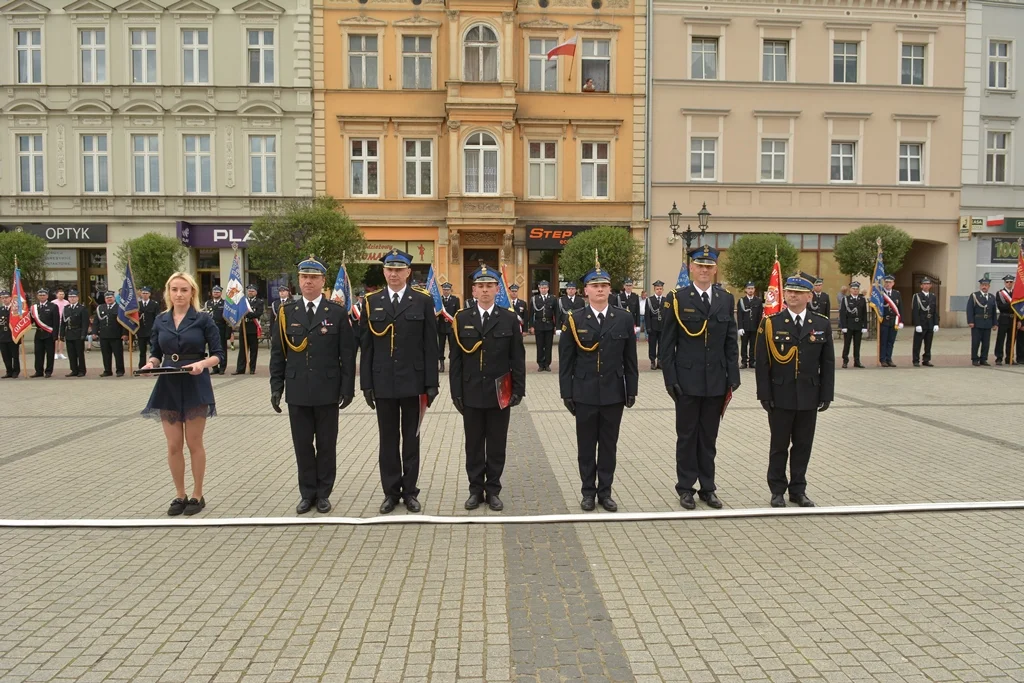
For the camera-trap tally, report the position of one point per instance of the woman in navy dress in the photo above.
(181, 336)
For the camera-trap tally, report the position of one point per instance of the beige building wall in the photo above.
(728, 113)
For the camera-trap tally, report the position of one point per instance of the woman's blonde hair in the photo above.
(191, 283)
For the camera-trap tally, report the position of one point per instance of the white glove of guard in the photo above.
(935, 328)
(918, 329)
(900, 326)
(741, 332)
(864, 331)
(845, 330)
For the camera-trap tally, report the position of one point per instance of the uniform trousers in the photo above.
(925, 338)
(486, 441)
(143, 343)
(544, 339)
(747, 347)
(980, 339)
(399, 456)
(249, 346)
(697, 421)
(223, 332)
(853, 336)
(1003, 339)
(44, 352)
(317, 466)
(76, 355)
(597, 440)
(792, 436)
(442, 338)
(887, 337)
(12, 361)
(112, 349)
(652, 344)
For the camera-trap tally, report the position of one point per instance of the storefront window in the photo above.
(207, 270)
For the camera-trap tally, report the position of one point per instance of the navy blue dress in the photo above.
(177, 398)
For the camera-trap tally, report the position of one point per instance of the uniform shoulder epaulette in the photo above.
(819, 315)
(772, 315)
(422, 291)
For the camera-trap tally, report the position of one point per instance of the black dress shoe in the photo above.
(686, 500)
(802, 500)
(473, 502)
(323, 506)
(72, 374)
(778, 501)
(711, 499)
(858, 364)
(238, 372)
(654, 365)
(39, 374)
(412, 504)
(253, 371)
(587, 504)
(82, 373)
(50, 374)
(388, 505)
(440, 366)
(194, 506)
(986, 364)
(609, 504)
(975, 363)
(927, 364)
(917, 364)
(846, 364)
(743, 366)
(495, 503)
(120, 374)
(304, 506)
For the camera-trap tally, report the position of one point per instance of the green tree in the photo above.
(856, 251)
(619, 254)
(751, 258)
(318, 227)
(31, 253)
(154, 258)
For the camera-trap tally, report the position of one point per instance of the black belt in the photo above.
(183, 357)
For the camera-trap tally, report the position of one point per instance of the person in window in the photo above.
(589, 86)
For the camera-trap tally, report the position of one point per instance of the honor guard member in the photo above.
(487, 351)
(654, 320)
(46, 318)
(820, 301)
(397, 366)
(598, 376)
(284, 296)
(148, 311)
(925, 318)
(795, 366)
(698, 356)
(890, 325)
(518, 306)
(1007, 318)
(542, 324)
(469, 303)
(629, 300)
(749, 311)
(568, 302)
(215, 307)
(853, 321)
(250, 337)
(74, 328)
(8, 349)
(313, 365)
(981, 317)
(355, 315)
(111, 336)
(450, 302)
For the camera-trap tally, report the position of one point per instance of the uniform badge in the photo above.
(812, 336)
(666, 305)
(564, 328)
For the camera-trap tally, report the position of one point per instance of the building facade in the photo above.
(185, 118)
(842, 116)
(445, 130)
(992, 201)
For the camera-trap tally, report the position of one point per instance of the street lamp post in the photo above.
(702, 223)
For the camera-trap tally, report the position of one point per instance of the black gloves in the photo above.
(368, 397)
(734, 387)
(515, 400)
(630, 401)
(431, 395)
(344, 402)
(768, 405)
(275, 401)
(675, 391)
(459, 405)
(570, 405)
(823, 406)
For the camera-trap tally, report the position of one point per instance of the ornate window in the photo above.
(480, 51)
(481, 164)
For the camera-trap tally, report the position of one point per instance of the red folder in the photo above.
(503, 388)
(728, 399)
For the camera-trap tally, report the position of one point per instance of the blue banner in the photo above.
(684, 277)
(435, 294)
(342, 292)
(128, 302)
(235, 303)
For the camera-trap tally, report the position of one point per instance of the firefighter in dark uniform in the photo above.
(924, 314)
(284, 296)
(111, 334)
(46, 318)
(820, 301)
(654, 320)
(215, 307)
(568, 302)
(598, 376)
(487, 352)
(981, 317)
(313, 365)
(796, 367)
(8, 349)
(543, 309)
(699, 358)
(518, 305)
(355, 315)
(398, 365)
(891, 324)
(74, 328)
(629, 300)
(250, 337)
(1007, 319)
(853, 321)
(148, 311)
(450, 302)
(749, 311)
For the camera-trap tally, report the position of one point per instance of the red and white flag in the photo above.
(566, 48)
(991, 221)
(773, 295)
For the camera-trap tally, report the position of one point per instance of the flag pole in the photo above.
(878, 318)
(21, 342)
(1014, 321)
(572, 63)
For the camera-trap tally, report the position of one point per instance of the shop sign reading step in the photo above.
(554, 236)
(62, 233)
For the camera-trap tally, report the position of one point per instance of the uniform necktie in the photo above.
(310, 311)
(394, 299)
(799, 325)
(600, 319)
(487, 317)
(704, 298)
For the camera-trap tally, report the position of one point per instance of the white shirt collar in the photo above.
(482, 311)
(601, 312)
(400, 293)
(702, 292)
(316, 302)
(801, 316)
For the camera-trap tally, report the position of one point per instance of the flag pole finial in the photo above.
(597, 263)
(878, 241)
(234, 246)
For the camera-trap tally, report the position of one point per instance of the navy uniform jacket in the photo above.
(257, 305)
(450, 304)
(924, 311)
(148, 311)
(888, 315)
(821, 304)
(215, 307)
(567, 305)
(704, 361)
(519, 308)
(472, 375)
(853, 313)
(655, 317)
(1006, 313)
(542, 313)
(75, 324)
(6, 335)
(399, 347)
(749, 313)
(809, 377)
(600, 368)
(49, 315)
(325, 370)
(105, 323)
(981, 310)
(630, 302)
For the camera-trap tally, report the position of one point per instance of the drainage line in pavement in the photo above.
(182, 522)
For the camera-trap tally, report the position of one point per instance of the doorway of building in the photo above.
(472, 259)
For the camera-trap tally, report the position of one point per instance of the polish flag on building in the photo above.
(991, 221)
(566, 48)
